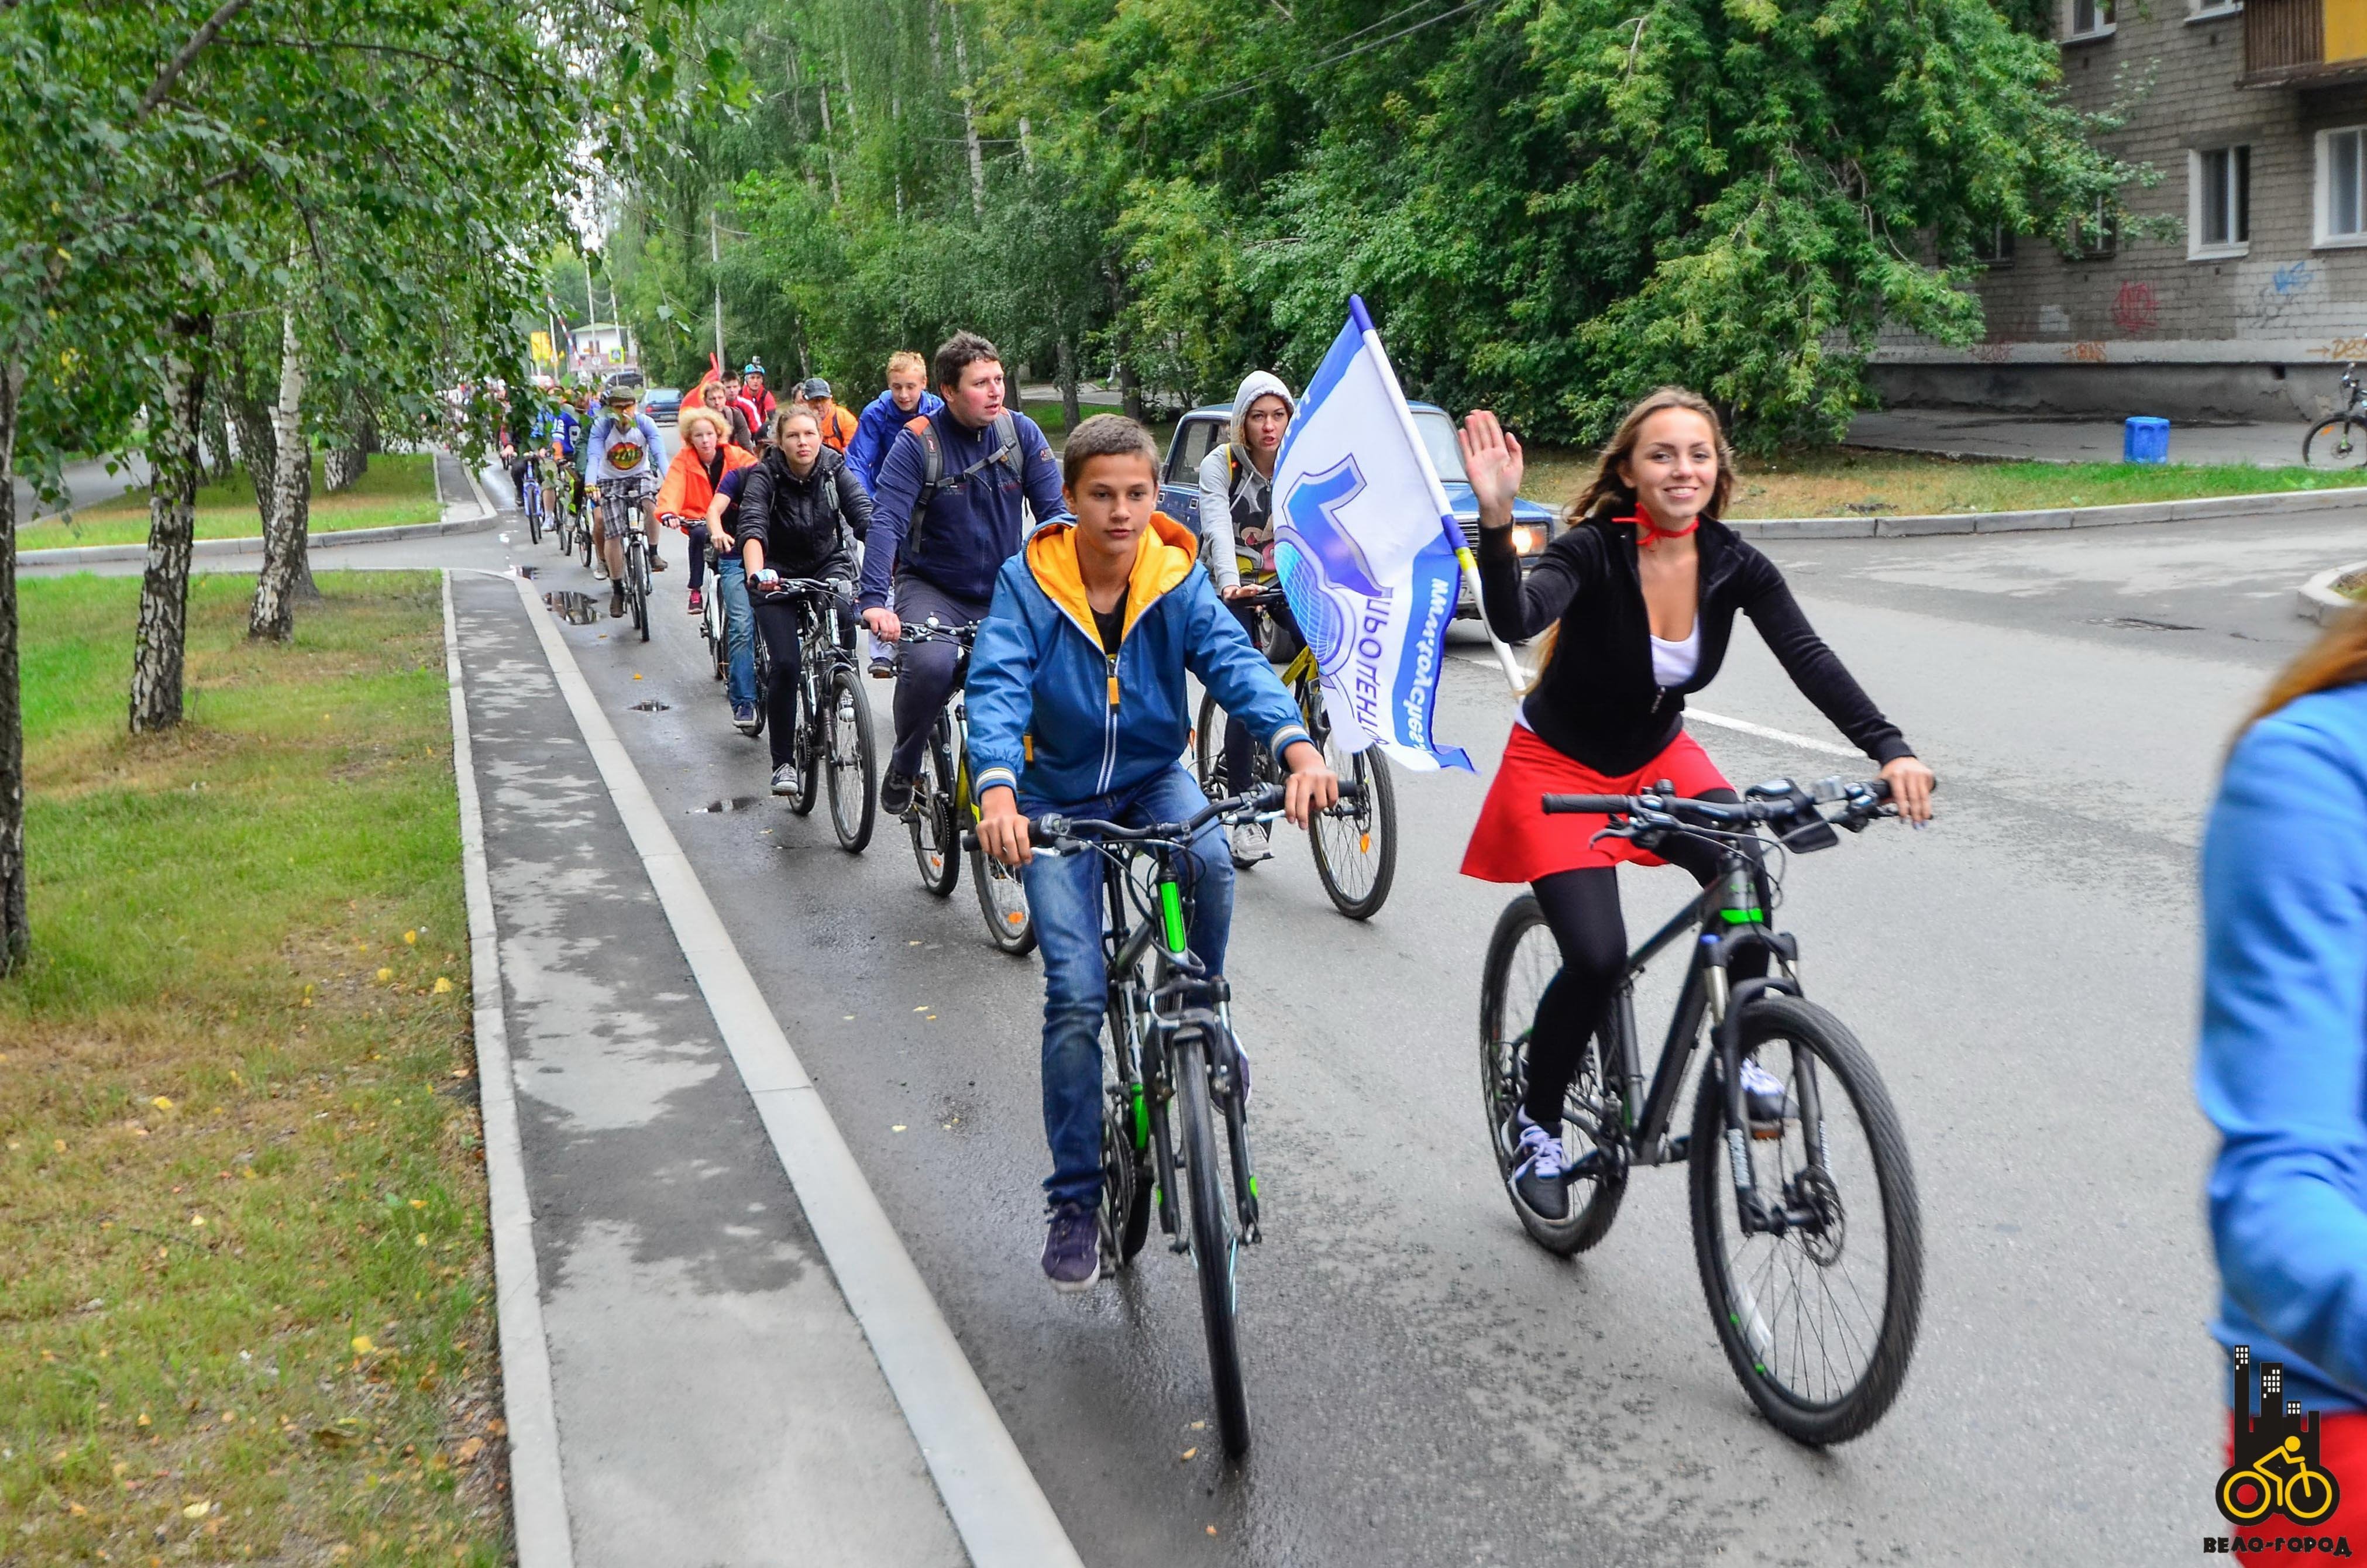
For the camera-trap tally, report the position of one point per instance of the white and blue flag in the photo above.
(1369, 553)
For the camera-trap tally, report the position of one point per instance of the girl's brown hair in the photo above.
(1609, 492)
(1608, 495)
(2337, 658)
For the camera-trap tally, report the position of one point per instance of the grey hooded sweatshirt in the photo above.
(1236, 500)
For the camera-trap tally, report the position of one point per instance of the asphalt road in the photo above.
(1429, 1387)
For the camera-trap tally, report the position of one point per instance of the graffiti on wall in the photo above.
(2090, 353)
(2283, 292)
(2135, 309)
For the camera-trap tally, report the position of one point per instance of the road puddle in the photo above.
(736, 803)
(651, 705)
(576, 609)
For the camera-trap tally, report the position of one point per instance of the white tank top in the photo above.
(1673, 664)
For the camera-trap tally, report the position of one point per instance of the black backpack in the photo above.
(923, 429)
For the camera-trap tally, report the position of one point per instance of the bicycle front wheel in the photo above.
(533, 517)
(806, 741)
(1356, 847)
(936, 843)
(1002, 899)
(853, 768)
(637, 569)
(1216, 1247)
(1818, 1320)
(2337, 441)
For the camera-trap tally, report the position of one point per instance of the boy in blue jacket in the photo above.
(1077, 705)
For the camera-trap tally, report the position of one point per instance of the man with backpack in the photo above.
(950, 507)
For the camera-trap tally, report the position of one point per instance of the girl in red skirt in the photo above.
(1635, 604)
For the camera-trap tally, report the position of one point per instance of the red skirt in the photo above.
(1516, 842)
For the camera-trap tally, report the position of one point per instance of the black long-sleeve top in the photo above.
(795, 520)
(1596, 699)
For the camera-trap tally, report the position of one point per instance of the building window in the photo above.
(2087, 18)
(2212, 10)
(1993, 247)
(2342, 187)
(2095, 236)
(2219, 203)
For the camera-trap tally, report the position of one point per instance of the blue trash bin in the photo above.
(2144, 440)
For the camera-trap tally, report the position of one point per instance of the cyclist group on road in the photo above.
(1050, 595)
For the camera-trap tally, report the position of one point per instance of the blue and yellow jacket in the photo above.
(1064, 721)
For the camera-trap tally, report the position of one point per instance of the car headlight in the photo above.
(1527, 539)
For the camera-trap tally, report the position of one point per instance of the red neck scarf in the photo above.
(1648, 533)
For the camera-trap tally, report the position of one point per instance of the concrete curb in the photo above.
(538, 1494)
(2318, 600)
(994, 1499)
(90, 554)
(2205, 510)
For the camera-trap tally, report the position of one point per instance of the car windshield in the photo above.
(1438, 434)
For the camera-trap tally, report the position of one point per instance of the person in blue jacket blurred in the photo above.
(1077, 705)
(908, 398)
(2282, 1072)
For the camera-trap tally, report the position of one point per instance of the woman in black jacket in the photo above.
(1636, 603)
(798, 507)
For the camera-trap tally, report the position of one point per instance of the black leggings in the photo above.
(1582, 909)
(777, 622)
(699, 538)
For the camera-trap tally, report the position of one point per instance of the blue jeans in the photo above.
(1065, 900)
(738, 629)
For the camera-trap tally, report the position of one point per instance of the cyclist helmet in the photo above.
(752, 368)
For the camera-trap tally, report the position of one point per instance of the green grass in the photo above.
(1846, 480)
(399, 488)
(245, 1298)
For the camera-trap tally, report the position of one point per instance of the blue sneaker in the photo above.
(1072, 1248)
(1541, 1181)
(744, 717)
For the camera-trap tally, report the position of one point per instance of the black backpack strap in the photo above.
(933, 478)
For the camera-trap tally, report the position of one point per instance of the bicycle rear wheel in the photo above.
(937, 844)
(853, 768)
(584, 543)
(1216, 1247)
(1209, 750)
(636, 575)
(1002, 899)
(1522, 962)
(2337, 441)
(1357, 848)
(534, 514)
(1819, 1321)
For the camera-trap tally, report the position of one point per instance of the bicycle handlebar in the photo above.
(1053, 829)
(934, 631)
(789, 587)
(1781, 803)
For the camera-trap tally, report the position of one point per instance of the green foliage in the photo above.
(1551, 205)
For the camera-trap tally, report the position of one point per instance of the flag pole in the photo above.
(1513, 674)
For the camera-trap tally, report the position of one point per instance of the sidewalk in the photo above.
(717, 1399)
(1963, 433)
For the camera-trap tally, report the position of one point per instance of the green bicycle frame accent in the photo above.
(1171, 910)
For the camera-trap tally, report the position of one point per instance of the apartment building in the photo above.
(2255, 114)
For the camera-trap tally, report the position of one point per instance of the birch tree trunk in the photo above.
(257, 447)
(970, 122)
(273, 613)
(158, 652)
(15, 938)
(1065, 372)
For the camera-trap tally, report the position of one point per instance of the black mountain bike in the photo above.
(1356, 846)
(1175, 1069)
(530, 499)
(1806, 1227)
(944, 809)
(833, 721)
(2339, 441)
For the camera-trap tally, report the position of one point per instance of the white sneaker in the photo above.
(1251, 844)
(599, 570)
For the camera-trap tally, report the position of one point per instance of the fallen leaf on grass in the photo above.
(384, 976)
(362, 1345)
(160, 1103)
(332, 1437)
(442, 986)
(194, 1511)
(468, 1452)
(411, 937)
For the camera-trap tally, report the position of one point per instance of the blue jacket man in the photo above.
(990, 464)
(1077, 705)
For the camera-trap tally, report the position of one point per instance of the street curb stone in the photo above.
(2318, 600)
(538, 1494)
(91, 554)
(2204, 509)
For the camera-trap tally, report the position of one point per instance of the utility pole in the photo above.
(715, 260)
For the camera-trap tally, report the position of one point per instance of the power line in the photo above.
(1237, 88)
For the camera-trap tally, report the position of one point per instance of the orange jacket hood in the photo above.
(1164, 557)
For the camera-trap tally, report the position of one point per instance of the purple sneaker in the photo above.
(1072, 1248)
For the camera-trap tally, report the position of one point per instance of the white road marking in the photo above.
(994, 1501)
(538, 1494)
(1764, 731)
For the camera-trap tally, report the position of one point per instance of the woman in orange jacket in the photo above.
(705, 456)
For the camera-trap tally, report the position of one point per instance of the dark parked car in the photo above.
(1205, 428)
(665, 402)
